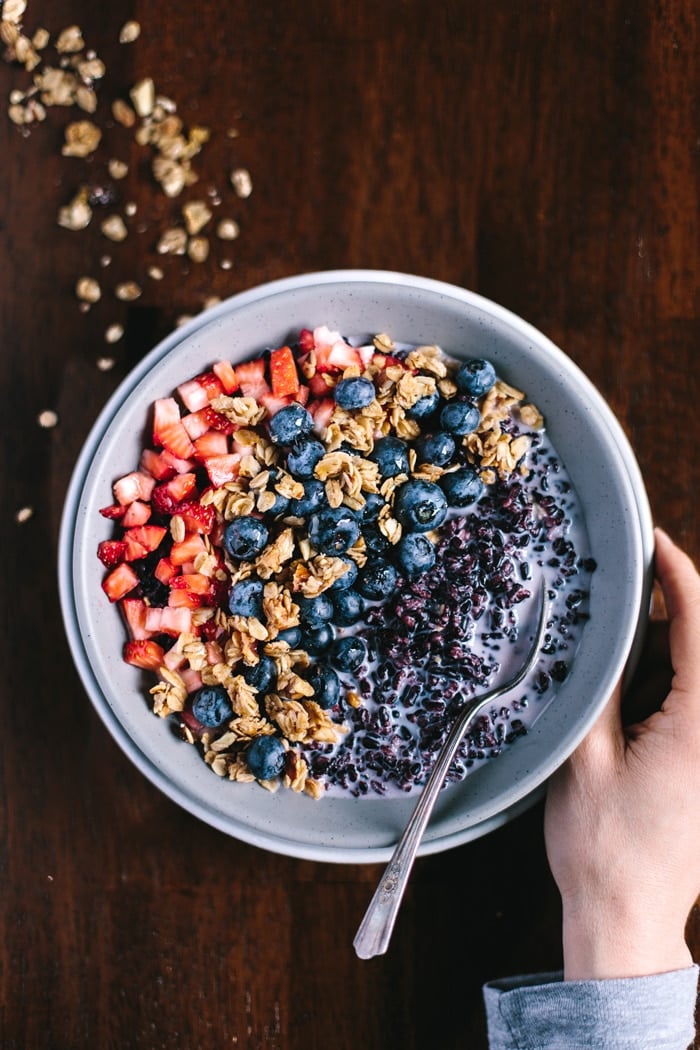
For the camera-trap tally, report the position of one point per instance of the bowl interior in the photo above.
(411, 309)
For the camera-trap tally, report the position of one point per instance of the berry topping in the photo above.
(356, 392)
(245, 598)
(315, 611)
(377, 580)
(290, 423)
(438, 448)
(303, 456)
(211, 706)
(333, 530)
(460, 417)
(462, 487)
(244, 538)
(391, 456)
(265, 757)
(349, 653)
(415, 554)
(424, 406)
(475, 377)
(420, 506)
(262, 675)
(326, 685)
(349, 607)
(313, 499)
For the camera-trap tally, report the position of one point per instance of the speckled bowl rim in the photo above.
(281, 823)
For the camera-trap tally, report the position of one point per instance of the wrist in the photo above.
(610, 942)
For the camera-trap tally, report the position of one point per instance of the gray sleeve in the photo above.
(543, 1012)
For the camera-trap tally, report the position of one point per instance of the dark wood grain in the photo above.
(543, 154)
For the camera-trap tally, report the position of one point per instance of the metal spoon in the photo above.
(374, 932)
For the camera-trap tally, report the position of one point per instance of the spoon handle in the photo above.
(374, 933)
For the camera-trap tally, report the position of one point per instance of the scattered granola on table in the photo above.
(322, 553)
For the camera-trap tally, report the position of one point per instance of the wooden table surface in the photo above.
(545, 155)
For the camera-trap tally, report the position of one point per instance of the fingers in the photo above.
(680, 584)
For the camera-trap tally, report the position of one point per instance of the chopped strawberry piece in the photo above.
(306, 340)
(137, 513)
(135, 610)
(272, 403)
(222, 468)
(318, 385)
(187, 549)
(196, 517)
(174, 660)
(196, 582)
(215, 654)
(157, 465)
(168, 431)
(226, 375)
(198, 392)
(192, 679)
(283, 372)
(141, 540)
(302, 395)
(120, 582)
(184, 600)
(322, 412)
(213, 443)
(218, 421)
(111, 552)
(165, 571)
(166, 411)
(196, 423)
(210, 629)
(366, 354)
(175, 439)
(114, 512)
(182, 466)
(144, 653)
(169, 621)
(133, 486)
(251, 376)
(168, 496)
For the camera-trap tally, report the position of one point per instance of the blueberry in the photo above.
(245, 537)
(349, 653)
(303, 456)
(262, 675)
(475, 377)
(245, 598)
(438, 448)
(333, 530)
(375, 540)
(317, 640)
(420, 506)
(460, 417)
(290, 423)
(313, 499)
(424, 406)
(281, 504)
(265, 757)
(391, 456)
(211, 706)
(346, 580)
(292, 636)
(356, 392)
(377, 580)
(349, 607)
(326, 685)
(373, 505)
(462, 487)
(415, 554)
(315, 611)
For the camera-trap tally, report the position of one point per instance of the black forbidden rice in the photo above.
(446, 635)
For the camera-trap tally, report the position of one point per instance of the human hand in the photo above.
(622, 819)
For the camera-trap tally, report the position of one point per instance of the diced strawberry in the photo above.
(226, 375)
(196, 582)
(306, 340)
(218, 421)
(187, 549)
(168, 496)
(120, 582)
(157, 465)
(251, 377)
(196, 423)
(222, 468)
(133, 486)
(322, 412)
(366, 354)
(193, 395)
(141, 540)
(168, 620)
(174, 660)
(343, 356)
(168, 431)
(192, 679)
(165, 571)
(213, 443)
(134, 610)
(318, 385)
(192, 723)
(196, 517)
(137, 513)
(210, 629)
(273, 403)
(144, 653)
(215, 653)
(283, 372)
(111, 552)
(182, 466)
(114, 512)
(184, 600)
(302, 394)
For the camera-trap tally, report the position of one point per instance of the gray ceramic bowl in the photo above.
(594, 450)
